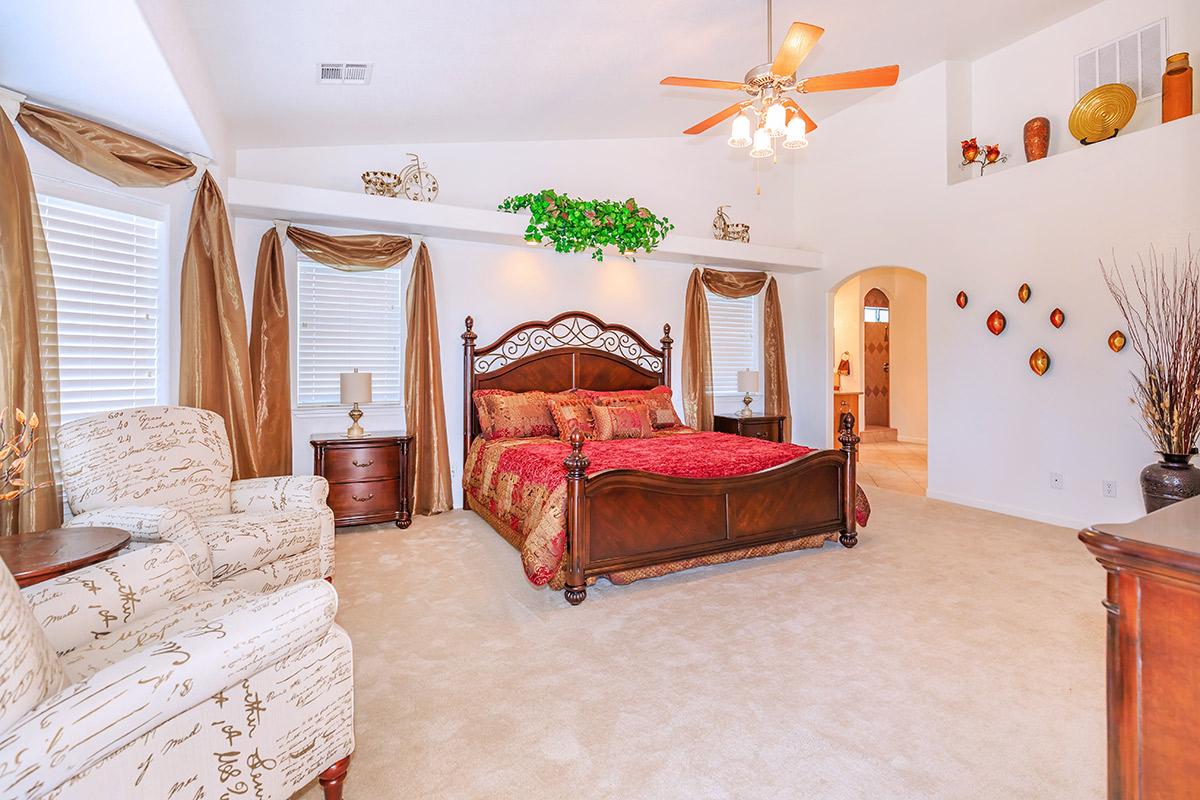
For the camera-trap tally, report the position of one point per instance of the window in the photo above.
(875, 314)
(347, 320)
(106, 266)
(735, 332)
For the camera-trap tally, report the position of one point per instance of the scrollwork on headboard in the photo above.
(574, 329)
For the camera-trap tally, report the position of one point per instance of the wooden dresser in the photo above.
(370, 479)
(1153, 611)
(757, 426)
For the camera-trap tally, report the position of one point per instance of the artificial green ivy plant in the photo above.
(574, 225)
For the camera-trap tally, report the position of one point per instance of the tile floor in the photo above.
(898, 466)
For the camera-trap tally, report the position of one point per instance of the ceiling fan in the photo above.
(779, 116)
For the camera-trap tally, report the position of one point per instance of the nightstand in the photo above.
(370, 479)
(757, 426)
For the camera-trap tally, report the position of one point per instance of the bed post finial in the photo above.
(666, 342)
(849, 441)
(576, 464)
(468, 338)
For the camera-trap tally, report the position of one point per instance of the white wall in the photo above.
(996, 430)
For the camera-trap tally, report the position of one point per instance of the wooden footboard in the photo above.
(626, 519)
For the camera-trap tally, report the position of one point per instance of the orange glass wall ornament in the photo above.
(996, 322)
(1024, 293)
(1039, 361)
(961, 299)
(1116, 341)
(1057, 317)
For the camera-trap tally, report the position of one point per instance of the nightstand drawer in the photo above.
(364, 498)
(761, 429)
(361, 463)
(767, 428)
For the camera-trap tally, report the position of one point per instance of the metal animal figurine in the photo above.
(729, 231)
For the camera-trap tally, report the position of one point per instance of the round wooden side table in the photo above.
(42, 555)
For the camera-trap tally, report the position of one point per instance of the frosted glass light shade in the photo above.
(796, 137)
(740, 135)
(356, 387)
(776, 120)
(747, 380)
(762, 144)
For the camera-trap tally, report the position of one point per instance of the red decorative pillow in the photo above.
(481, 411)
(629, 421)
(572, 413)
(657, 400)
(521, 415)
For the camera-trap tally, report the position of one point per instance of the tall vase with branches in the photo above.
(1161, 306)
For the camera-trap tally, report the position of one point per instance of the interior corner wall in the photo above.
(997, 430)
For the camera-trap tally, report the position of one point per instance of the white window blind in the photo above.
(735, 332)
(106, 267)
(348, 320)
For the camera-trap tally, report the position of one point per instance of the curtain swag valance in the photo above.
(358, 253)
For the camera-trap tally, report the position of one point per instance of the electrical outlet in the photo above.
(1056, 480)
(1108, 488)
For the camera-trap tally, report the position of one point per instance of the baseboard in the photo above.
(911, 439)
(1003, 508)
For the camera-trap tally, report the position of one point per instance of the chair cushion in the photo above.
(30, 670)
(156, 456)
(240, 542)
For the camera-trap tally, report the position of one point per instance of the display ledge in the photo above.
(312, 206)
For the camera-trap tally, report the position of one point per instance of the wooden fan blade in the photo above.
(860, 79)
(800, 40)
(723, 114)
(701, 83)
(793, 108)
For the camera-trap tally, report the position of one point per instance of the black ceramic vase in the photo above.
(1170, 480)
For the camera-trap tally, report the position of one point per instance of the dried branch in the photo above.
(14, 454)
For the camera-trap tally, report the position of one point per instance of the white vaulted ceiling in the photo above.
(453, 70)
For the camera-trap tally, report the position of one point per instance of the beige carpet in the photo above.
(954, 654)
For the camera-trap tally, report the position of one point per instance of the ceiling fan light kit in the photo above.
(776, 116)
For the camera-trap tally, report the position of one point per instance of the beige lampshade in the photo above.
(356, 387)
(748, 380)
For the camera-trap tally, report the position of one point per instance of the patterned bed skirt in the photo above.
(627, 576)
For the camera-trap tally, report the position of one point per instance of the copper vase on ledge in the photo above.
(1177, 88)
(1037, 138)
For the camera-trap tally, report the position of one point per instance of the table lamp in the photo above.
(747, 382)
(356, 388)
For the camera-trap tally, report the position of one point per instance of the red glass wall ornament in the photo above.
(1057, 317)
(961, 299)
(1039, 361)
(1116, 341)
(1024, 293)
(996, 322)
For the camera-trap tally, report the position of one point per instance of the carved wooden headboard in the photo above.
(574, 350)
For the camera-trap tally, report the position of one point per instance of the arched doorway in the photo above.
(877, 360)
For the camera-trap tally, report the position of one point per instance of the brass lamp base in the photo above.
(355, 431)
(746, 412)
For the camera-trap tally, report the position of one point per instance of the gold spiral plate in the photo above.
(1102, 112)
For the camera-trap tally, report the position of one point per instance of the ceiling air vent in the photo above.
(344, 72)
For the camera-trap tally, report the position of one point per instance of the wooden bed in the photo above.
(620, 520)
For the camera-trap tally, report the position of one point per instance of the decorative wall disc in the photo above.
(1116, 341)
(961, 299)
(1024, 293)
(996, 322)
(1057, 317)
(1102, 112)
(1039, 361)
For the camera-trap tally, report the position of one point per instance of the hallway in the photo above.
(898, 466)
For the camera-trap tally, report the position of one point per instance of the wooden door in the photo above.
(876, 355)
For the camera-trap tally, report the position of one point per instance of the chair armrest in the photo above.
(87, 721)
(287, 493)
(152, 525)
(85, 605)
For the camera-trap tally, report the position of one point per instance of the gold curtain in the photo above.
(424, 409)
(697, 356)
(697, 345)
(270, 363)
(122, 158)
(214, 368)
(776, 399)
(362, 253)
(24, 274)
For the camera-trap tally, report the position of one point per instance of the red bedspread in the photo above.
(522, 482)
